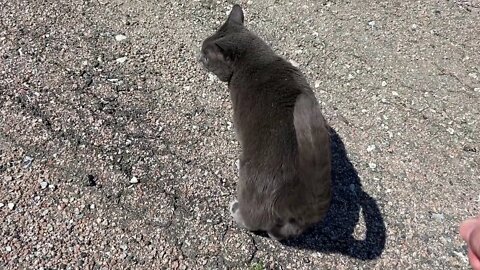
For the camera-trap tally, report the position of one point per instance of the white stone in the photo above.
(450, 130)
(121, 59)
(372, 166)
(370, 148)
(371, 23)
(384, 83)
(120, 37)
(438, 217)
(27, 161)
(134, 180)
(11, 206)
(43, 185)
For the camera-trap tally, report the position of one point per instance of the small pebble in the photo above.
(384, 83)
(121, 59)
(8, 248)
(2, 205)
(450, 130)
(372, 165)
(52, 187)
(11, 206)
(371, 23)
(120, 37)
(134, 180)
(317, 83)
(27, 161)
(43, 185)
(438, 217)
(370, 148)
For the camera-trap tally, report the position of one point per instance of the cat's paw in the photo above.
(235, 213)
(234, 206)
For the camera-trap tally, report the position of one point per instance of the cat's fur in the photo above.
(285, 183)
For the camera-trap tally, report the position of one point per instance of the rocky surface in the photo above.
(117, 149)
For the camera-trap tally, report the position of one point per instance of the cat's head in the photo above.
(221, 50)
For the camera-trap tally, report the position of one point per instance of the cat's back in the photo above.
(264, 97)
(272, 85)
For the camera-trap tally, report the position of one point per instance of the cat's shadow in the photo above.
(335, 234)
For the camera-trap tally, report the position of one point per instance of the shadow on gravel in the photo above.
(335, 233)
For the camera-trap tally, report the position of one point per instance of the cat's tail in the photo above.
(314, 157)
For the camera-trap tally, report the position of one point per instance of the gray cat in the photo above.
(285, 182)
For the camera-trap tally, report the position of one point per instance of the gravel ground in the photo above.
(117, 149)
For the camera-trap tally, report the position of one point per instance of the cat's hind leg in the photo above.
(240, 219)
(287, 230)
(235, 213)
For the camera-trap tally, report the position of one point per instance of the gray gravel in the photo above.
(117, 149)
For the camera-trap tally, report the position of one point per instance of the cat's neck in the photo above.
(256, 59)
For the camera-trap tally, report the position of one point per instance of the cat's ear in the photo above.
(236, 15)
(225, 48)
